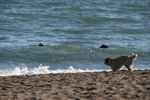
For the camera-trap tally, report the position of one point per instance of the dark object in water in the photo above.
(104, 46)
(41, 44)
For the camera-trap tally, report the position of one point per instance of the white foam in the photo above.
(42, 70)
(45, 70)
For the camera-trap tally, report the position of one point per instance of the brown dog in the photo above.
(121, 61)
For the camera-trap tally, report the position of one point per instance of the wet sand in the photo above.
(120, 85)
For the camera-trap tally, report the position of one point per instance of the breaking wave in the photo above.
(43, 70)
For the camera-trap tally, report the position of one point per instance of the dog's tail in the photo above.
(134, 56)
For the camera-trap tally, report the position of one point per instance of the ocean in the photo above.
(72, 32)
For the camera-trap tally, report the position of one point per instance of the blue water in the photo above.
(72, 32)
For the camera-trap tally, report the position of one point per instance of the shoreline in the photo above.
(119, 85)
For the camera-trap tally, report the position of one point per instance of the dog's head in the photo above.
(108, 61)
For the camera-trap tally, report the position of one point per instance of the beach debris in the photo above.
(104, 46)
(41, 44)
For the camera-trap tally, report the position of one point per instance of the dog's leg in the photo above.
(113, 68)
(128, 67)
(128, 64)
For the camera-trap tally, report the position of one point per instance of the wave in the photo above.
(24, 70)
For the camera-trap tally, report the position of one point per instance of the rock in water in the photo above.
(41, 44)
(104, 46)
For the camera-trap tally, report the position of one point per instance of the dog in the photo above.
(118, 63)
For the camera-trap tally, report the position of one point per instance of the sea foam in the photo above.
(43, 70)
(24, 70)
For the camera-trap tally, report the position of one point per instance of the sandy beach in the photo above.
(120, 85)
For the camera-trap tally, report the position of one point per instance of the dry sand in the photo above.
(120, 85)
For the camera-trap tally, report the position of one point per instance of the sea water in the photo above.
(72, 32)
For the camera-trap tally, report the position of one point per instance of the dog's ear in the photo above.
(109, 57)
(106, 59)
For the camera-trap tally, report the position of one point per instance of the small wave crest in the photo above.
(43, 70)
